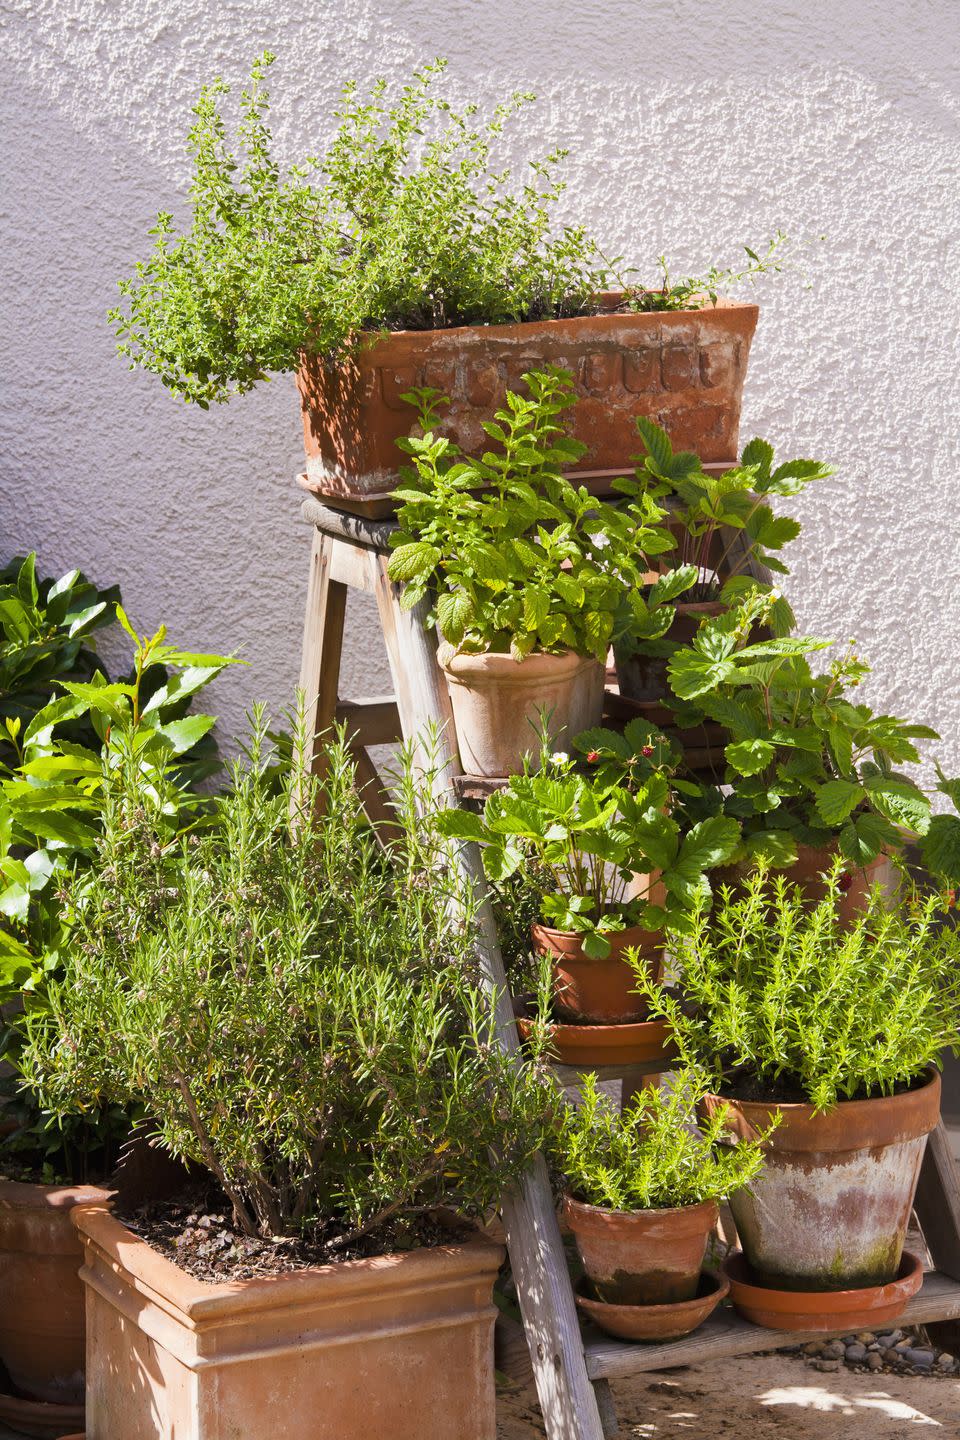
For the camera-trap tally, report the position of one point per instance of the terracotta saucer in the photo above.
(821, 1310)
(655, 1322)
(37, 1418)
(641, 1042)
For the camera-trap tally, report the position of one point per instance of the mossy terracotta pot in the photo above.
(394, 1348)
(830, 1208)
(498, 703)
(641, 1257)
(41, 1297)
(656, 1322)
(598, 991)
(683, 369)
(871, 1307)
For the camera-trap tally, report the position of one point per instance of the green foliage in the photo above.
(695, 292)
(940, 846)
(298, 1011)
(518, 557)
(805, 762)
(593, 836)
(653, 1156)
(782, 997)
(409, 221)
(70, 730)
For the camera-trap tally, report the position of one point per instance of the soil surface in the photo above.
(761, 1397)
(195, 1230)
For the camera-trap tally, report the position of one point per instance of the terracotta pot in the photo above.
(829, 1210)
(643, 1045)
(684, 369)
(601, 992)
(807, 872)
(392, 1348)
(37, 1418)
(644, 677)
(641, 1257)
(497, 703)
(41, 1318)
(869, 1308)
(656, 1322)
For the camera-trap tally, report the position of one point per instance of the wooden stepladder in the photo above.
(572, 1368)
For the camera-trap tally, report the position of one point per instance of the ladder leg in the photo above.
(937, 1206)
(608, 1413)
(322, 645)
(568, 1400)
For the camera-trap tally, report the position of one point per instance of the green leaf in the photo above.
(862, 840)
(776, 846)
(749, 757)
(183, 734)
(413, 562)
(455, 611)
(691, 674)
(940, 848)
(536, 607)
(837, 799)
(656, 442)
(674, 583)
(899, 801)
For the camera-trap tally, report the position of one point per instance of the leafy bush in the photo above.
(788, 1002)
(299, 1012)
(520, 559)
(652, 1156)
(593, 837)
(409, 221)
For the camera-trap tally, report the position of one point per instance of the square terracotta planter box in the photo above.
(683, 369)
(394, 1348)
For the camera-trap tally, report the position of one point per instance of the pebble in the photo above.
(890, 1338)
(866, 1337)
(856, 1353)
(945, 1361)
(813, 1347)
(874, 1360)
(834, 1350)
(920, 1359)
(827, 1365)
(897, 1351)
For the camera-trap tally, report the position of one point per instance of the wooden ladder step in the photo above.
(725, 1333)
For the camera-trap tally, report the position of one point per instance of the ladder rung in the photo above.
(725, 1333)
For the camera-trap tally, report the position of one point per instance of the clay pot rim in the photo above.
(522, 1003)
(521, 329)
(718, 1291)
(501, 667)
(27, 1195)
(820, 1304)
(846, 1126)
(657, 937)
(602, 1213)
(154, 1275)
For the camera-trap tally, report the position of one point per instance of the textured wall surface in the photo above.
(693, 129)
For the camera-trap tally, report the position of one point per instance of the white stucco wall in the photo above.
(693, 128)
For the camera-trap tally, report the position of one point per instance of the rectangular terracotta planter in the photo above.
(395, 1348)
(684, 369)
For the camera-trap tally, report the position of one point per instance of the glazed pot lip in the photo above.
(701, 1208)
(518, 329)
(734, 1266)
(501, 666)
(847, 1125)
(28, 1195)
(153, 1274)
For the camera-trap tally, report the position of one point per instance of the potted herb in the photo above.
(721, 522)
(809, 772)
(406, 255)
(835, 1025)
(528, 572)
(67, 728)
(641, 1193)
(616, 868)
(299, 1013)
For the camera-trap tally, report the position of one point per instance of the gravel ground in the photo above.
(764, 1397)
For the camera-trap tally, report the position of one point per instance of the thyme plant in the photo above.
(298, 1011)
(782, 1001)
(653, 1156)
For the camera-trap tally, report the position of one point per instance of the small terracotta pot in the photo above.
(867, 1308)
(600, 992)
(641, 1257)
(41, 1317)
(497, 703)
(644, 677)
(807, 872)
(643, 1045)
(683, 369)
(656, 1322)
(830, 1208)
(397, 1346)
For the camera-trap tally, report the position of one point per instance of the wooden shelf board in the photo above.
(727, 1334)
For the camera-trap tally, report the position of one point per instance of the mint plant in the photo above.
(652, 1156)
(589, 838)
(298, 1010)
(517, 556)
(782, 1001)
